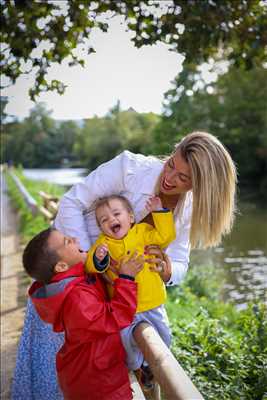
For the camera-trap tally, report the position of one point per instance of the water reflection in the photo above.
(62, 176)
(242, 258)
(248, 277)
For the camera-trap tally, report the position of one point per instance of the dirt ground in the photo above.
(13, 292)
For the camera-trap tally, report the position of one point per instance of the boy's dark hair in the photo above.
(104, 201)
(38, 260)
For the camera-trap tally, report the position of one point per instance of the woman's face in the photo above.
(176, 175)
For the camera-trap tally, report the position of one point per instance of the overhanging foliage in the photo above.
(34, 34)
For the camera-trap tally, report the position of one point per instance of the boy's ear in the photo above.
(132, 218)
(61, 266)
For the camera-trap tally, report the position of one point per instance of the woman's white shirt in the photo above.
(133, 176)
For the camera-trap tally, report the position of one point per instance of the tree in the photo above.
(241, 99)
(67, 132)
(100, 139)
(235, 110)
(134, 129)
(97, 142)
(38, 141)
(234, 30)
(3, 104)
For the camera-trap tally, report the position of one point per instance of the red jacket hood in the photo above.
(48, 299)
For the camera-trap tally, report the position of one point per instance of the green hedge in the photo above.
(223, 350)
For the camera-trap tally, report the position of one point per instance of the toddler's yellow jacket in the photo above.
(151, 290)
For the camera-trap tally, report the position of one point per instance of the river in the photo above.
(60, 176)
(242, 257)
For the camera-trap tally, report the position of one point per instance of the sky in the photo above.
(117, 71)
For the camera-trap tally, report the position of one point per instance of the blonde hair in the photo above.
(213, 184)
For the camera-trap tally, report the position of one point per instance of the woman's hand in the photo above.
(131, 266)
(161, 261)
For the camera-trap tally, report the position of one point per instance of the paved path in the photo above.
(13, 291)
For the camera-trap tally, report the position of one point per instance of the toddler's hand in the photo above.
(101, 252)
(154, 204)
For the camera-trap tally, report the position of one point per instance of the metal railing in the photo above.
(30, 201)
(48, 209)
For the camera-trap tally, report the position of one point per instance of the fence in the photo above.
(50, 203)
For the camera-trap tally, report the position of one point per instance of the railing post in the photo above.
(137, 391)
(173, 380)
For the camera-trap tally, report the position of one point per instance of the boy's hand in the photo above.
(132, 265)
(154, 204)
(101, 251)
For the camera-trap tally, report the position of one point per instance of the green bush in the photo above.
(223, 350)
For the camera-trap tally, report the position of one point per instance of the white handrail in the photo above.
(30, 201)
(173, 380)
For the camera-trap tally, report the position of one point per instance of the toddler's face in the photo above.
(114, 219)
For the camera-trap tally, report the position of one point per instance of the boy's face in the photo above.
(66, 247)
(114, 219)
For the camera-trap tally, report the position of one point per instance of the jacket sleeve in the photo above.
(90, 266)
(164, 232)
(90, 316)
(107, 179)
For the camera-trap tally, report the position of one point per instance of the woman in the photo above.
(197, 182)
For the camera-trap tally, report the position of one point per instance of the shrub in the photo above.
(222, 349)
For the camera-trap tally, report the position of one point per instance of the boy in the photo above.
(91, 363)
(121, 237)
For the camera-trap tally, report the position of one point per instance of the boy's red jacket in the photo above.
(91, 363)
